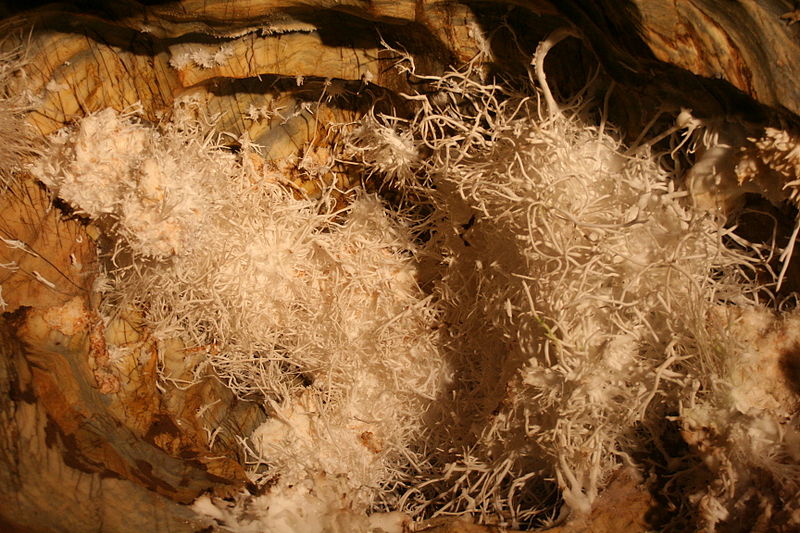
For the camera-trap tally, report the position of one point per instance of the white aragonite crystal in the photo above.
(576, 289)
(570, 304)
(744, 424)
(18, 141)
(734, 159)
(387, 147)
(316, 313)
(113, 165)
(184, 55)
(317, 504)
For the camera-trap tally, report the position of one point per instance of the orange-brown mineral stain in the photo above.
(370, 442)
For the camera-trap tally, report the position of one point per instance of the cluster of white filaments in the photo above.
(551, 301)
(575, 288)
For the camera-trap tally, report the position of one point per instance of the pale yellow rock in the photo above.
(289, 54)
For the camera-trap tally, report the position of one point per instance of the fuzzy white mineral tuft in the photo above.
(316, 312)
(570, 303)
